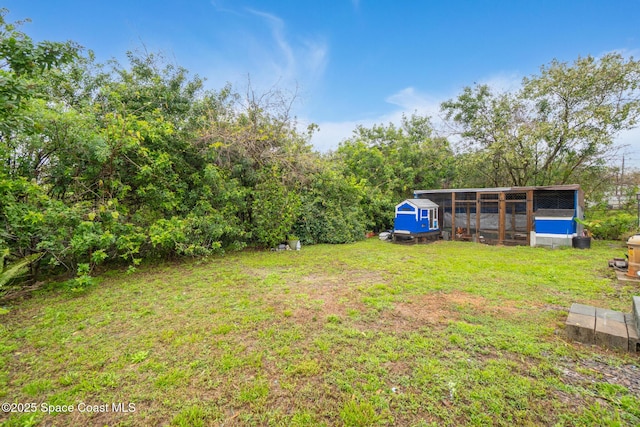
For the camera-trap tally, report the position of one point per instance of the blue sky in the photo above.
(353, 61)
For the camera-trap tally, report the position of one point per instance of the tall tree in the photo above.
(557, 126)
(398, 159)
(20, 61)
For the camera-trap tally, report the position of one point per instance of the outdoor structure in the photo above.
(417, 218)
(536, 216)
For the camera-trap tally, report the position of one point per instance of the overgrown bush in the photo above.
(612, 225)
(331, 211)
(274, 209)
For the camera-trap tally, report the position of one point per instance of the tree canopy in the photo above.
(390, 162)
(123, 162)
(557, 128)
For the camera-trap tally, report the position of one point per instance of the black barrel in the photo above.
(582, 242)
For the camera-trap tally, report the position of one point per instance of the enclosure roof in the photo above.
(499, 189)
(420, 203)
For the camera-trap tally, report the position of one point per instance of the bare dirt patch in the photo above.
(320, 295)
(440, 307)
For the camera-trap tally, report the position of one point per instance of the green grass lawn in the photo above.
(370, 333)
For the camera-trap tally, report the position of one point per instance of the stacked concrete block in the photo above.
(633, 326)
(581, 323)
(632, 330)
(608, 328)
(611, 329)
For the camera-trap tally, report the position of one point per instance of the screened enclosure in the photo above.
(503, 215)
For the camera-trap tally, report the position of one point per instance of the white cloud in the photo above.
(220, 7)
(407, 101)
(332, 133)
(629, 141)
(291, 61)
(282, 58)
(411, 101)
(316, 56)
(503, 82)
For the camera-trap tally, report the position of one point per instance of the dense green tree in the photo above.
(274, 209)
(558, 128)
(391, 162)
(331, 209)
(126, 162)
(21, 61)
(397, 160)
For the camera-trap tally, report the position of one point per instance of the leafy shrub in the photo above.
(331, 211)
(614, 225)
(190, 236)
(83, 279)
(274, 210)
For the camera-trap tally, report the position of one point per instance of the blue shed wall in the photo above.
(407, 208)
(555, 226)
(408, 222)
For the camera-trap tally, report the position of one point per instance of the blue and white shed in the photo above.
(415, 216)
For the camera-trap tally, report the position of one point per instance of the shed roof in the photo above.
(499, 189)
(419, 203)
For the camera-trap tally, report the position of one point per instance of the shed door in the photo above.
(433, 219)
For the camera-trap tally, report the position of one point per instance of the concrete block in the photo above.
(611, 329)
(553, 242)
(623, 278)
(610, 315)
(636, 311)
(632, 331)
(586, 310)
(581, 323)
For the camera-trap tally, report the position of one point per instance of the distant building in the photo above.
(621, 197)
